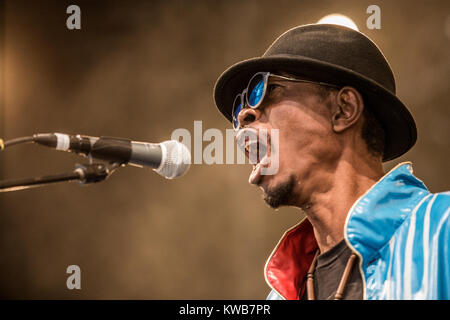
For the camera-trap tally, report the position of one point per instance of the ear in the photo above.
(349, 107)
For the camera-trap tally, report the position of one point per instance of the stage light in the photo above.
(338, 19)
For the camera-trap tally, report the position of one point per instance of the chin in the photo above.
(280, 193)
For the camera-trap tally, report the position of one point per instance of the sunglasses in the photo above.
(253, 95)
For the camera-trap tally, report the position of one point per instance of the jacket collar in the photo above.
(289, 262)
(376, 215)
(370, 223)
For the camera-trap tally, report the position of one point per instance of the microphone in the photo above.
(171, 159)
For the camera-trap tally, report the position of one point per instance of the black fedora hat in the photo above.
(337, 55)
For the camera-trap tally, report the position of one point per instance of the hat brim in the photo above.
(399, 125)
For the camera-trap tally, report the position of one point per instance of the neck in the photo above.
(335, 193)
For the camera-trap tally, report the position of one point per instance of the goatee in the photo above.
(281, 194)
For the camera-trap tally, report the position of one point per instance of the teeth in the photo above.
(255, 172)
(248, 143)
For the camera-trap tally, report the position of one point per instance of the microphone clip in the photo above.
(94, 172)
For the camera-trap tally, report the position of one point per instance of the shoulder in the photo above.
(440, 202)
(437, 205)
(433, 214)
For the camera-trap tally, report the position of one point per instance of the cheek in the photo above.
(300, 126)
(300, 113)
(303, 134)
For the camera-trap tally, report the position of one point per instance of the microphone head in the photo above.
(175, 160)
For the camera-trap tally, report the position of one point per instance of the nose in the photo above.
(248, 115)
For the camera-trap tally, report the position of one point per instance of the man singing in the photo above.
(330, 93)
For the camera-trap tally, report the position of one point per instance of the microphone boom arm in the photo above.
(83, 173)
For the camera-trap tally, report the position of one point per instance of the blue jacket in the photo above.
(399, 230)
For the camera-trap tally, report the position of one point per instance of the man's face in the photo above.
(306, 140)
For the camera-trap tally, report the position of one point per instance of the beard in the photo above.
(280, 194)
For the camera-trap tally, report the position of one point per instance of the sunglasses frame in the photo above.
(266, 76)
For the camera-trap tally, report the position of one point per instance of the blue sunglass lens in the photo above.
(235, 115)
(256, 89)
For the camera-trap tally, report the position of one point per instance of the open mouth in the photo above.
(256, 146)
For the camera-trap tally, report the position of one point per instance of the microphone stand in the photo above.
(83, 173)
